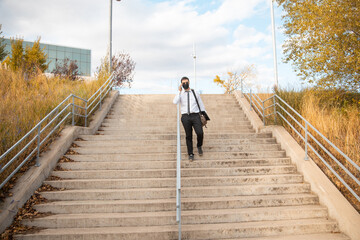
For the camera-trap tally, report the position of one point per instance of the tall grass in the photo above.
(336, 114)
(23, 103)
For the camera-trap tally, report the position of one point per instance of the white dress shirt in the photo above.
(182, 97)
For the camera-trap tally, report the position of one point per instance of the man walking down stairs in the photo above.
(121, 183)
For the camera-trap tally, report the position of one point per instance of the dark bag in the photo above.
(203, 115)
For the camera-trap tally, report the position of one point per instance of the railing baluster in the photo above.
(250, 100)
(37, 164)
(274, 98)
(306, 142)
(263, 113)
(73, 110)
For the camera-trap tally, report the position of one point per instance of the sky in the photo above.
(159, 35)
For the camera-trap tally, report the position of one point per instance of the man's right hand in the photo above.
(180, 87)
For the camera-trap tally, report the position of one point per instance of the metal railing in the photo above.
(57, 117)
(178, 173)
(277, 104)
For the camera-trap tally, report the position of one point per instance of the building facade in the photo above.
(57, 53)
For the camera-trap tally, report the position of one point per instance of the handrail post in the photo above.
(86, 115)
(242, 90)
(73, 109)
(263, 112)
(306, 142)
(100, 98)
(274, 98)
(250, 100)
(178, 173)
(37, 164)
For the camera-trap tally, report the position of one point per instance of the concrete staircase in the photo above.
(121, 184)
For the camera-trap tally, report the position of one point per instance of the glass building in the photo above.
(58, 54)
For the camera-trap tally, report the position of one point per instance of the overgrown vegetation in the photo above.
(336, 114)
(66, 69)
(27, 96)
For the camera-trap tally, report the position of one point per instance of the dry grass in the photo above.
(25, 102)
(336, 114)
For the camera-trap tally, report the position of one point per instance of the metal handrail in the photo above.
(178, 173)
(58, 111)
(277, 101)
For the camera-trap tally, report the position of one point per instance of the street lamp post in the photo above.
(194, 57)
(110, 47)
(274, 43)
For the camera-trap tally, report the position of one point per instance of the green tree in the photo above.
(324, 41)
(3, 53)
(234, 81)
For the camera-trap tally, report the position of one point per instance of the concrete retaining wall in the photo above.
(34, 177)
(339, 208)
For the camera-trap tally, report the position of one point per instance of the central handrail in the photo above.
(178, 173)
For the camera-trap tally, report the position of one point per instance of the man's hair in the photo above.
(184, 78)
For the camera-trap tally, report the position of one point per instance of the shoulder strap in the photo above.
(196, 100)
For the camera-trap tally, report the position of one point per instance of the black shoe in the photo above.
(191, 157)
(200, 151)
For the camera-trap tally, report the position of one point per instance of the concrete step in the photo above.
(215, 123)
(134, 131)
(168, 173)
(322, 236)
(208, 142)
(154, 205)
(184, 156)
(171, 182)
(84, 162)
(159, 129)
(164, 218)
(172, 116)
(171, 120)
(194, 231)
(161, 193)
(172, 136)
(163, 126)
(153, 148)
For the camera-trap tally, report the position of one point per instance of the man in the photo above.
(190, 116)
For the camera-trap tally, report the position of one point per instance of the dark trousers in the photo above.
(192, 121)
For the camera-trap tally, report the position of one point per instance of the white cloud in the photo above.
(159, 36)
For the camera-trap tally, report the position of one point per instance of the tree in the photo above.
(324, 41)
(3, 53)
(35, 58)
(16, 60)
(68, 69)
(30, 61)
(123, 67)
(235, 79)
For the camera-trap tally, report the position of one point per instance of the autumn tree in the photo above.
(235, 79)
(324, 41)
(35, 58)
(67, 68)
(123, 67)
(29, 61)
(16, 61)
(3, 53)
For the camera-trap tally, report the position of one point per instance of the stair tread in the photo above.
(186, 227)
